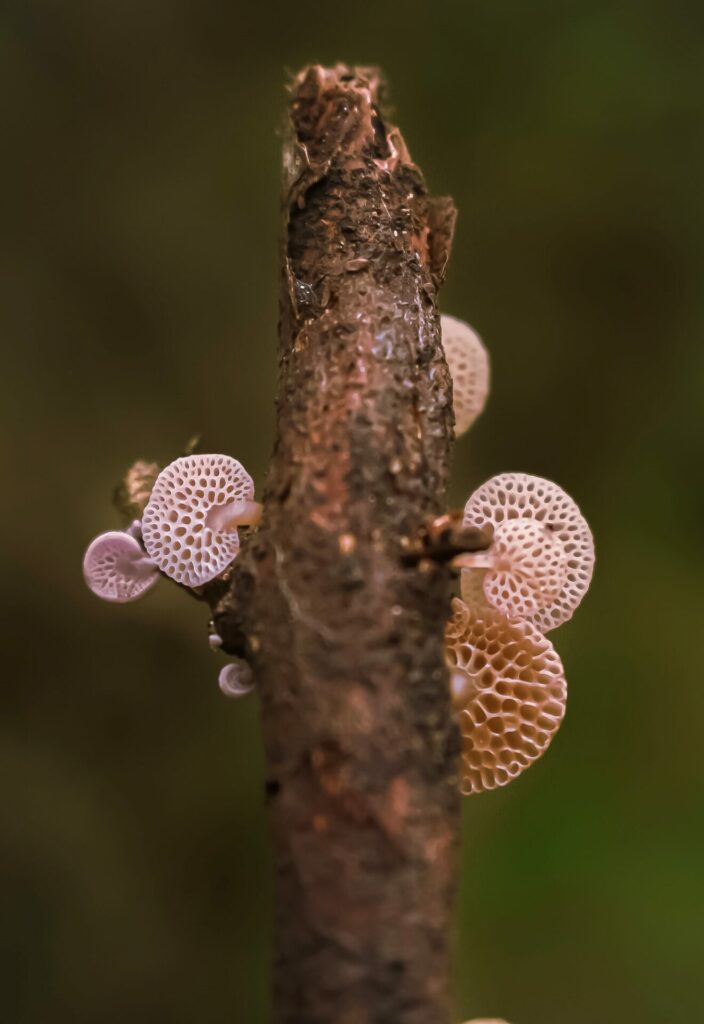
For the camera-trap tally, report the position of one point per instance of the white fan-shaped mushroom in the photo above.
(116, 568)
(190, 523)
(468, 362)
(542, 558)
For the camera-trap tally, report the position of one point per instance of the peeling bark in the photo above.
(343, 627)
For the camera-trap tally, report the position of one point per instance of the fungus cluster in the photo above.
(508, 685)
(507, 681)
(188, 532)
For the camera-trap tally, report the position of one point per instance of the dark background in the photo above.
(138, 303)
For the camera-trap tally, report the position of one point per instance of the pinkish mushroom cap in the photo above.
(542, 557)
(508, 690)
(190, 523)
(235, 679)
(468, 362)
(526, 569)
(116, 568)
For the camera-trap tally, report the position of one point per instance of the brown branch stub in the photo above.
(443, 538)
(345, 636)
(132, 493)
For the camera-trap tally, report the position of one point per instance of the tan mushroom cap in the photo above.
(116, 568)
(184, 525)
(468, 362)
(512, 496)
(508, 690)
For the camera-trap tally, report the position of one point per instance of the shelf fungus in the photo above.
(508, 690)
(507, 680)
(540, 563)
(190, 523)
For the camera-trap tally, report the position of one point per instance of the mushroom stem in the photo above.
(473, 560)
(140, 567)
(238, 513)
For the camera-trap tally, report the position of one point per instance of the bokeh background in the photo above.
(138, 302)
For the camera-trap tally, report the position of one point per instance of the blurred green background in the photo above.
(138, 300)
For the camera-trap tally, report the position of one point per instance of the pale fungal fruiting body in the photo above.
(526, 568)
(235, 679)
(189, 530)
(508, 690)
(116, 568)
(190, 523)
(468, 363)
(506, 679)
(542, 558)
(530, 568)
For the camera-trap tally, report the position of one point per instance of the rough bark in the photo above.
(339, 599)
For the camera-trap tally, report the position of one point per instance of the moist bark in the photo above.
(342, 628)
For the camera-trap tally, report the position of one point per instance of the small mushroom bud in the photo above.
(508, 690)
(190, 524)
(116, 568)
(541, 560)
(468, 362)
(235, 679)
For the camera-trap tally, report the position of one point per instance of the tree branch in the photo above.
(339, 599)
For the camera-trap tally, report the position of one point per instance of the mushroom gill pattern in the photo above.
(116, 569)
(509, 694)
(530, 568)
(178, 528)
(521, 496)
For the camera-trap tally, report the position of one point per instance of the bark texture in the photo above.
(343, 626)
